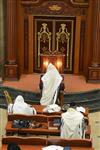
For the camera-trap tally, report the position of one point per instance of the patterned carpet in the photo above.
(91, 99)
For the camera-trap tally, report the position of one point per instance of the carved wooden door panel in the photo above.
(55, 36)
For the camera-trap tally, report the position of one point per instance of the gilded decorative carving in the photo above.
(54, 36)
(44, 37)
(63, 37)
(55, 7)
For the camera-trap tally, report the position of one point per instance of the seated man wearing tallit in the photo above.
(21, 107)
(72, 123)
(51, 82)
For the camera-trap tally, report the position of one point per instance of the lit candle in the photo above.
(59, 65)
(45, 64)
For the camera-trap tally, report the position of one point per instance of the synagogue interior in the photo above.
(50, 60)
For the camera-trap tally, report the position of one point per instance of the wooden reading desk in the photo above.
(39, 109)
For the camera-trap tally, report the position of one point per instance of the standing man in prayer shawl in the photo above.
(51, 82)
(20, 107)
(72, 123)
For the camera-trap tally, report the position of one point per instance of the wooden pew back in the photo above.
(70, 142)
(24, 141)
(48, 141)
(38, 117)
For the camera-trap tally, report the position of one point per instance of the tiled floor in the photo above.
(94, 122)
(3, 120)
(73, 83)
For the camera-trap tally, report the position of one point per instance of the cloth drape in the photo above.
(51, 82)
(20, 107)
(72, 124)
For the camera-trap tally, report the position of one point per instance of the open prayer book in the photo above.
(55, 147)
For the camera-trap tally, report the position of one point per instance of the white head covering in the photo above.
(72, 124)
(51, 81)
(20, 107)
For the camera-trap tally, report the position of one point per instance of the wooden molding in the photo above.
(11, 72)
(11, 67)
(79, 2)
(30, 44)
(77, 45)
(74, 2)
(94, 74)
(57, 8)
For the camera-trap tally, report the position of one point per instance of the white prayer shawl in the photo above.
(20, 107)
(72, 124)
(10, 108)
(53, 147)
(51, 81)
(52, 108)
